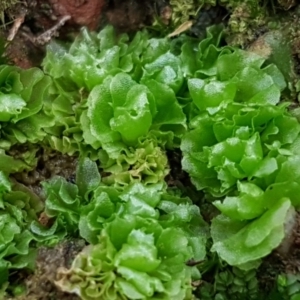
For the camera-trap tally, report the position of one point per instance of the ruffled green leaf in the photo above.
(18, 208)
(10, 105)
(230, 64)
(234, 145)
(249, 204)
(63, 201)
(146, 237)
(240, 242)
(23, 93)
(87, 176)
(99, 211)
(146, 163)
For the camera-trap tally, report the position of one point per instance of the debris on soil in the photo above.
(130, 15)
(40, 285)
(207, 17)
(50, 163)
(46, 37)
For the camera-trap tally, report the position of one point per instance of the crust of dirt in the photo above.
(44, 18)
(49, 164)
(40, 285)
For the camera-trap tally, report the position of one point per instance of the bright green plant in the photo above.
(23, 94)
(18, 207)
(288, 285)
(142, 251)
(145, 267)
(147, 163)
(126, 107)
(234, 122)
(120, 104)
(146, 237)
(243, 145)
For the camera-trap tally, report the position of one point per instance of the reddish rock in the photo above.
(82, 12)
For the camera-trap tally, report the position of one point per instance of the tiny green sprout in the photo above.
(18, 290)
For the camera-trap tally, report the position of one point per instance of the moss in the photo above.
(5, 5)
(184, 10)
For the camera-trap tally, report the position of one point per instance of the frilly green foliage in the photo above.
(23, 94)
(243, 144)
(146, 267)
(126, 107)
(146, 237)
(120, 104)
(18, 208)
(238, 121)
(24, 97)
(243, 243)
(288, 286)
(147, 163)
(231, 283)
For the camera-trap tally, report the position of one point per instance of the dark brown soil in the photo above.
(41, 20)
(50, 163)
(40, 285)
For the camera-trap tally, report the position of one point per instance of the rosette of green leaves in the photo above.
(238, 125)
(18, 207)
(88, 61)
(199, 59)
(143, 248)
(243, 145)
(65, 202)
(147, 236)
(95, 59)
(139, 270)
(23, 94)
(231, 283)
(244, 243)
(92, 57)
(255, 221)
(251, 225)
(121, 111)
(134, 199)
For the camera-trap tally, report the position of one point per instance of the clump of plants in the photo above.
(118, 104)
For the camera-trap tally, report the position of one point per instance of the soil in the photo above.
(40, 21)
(50, 163)
(41, 284)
